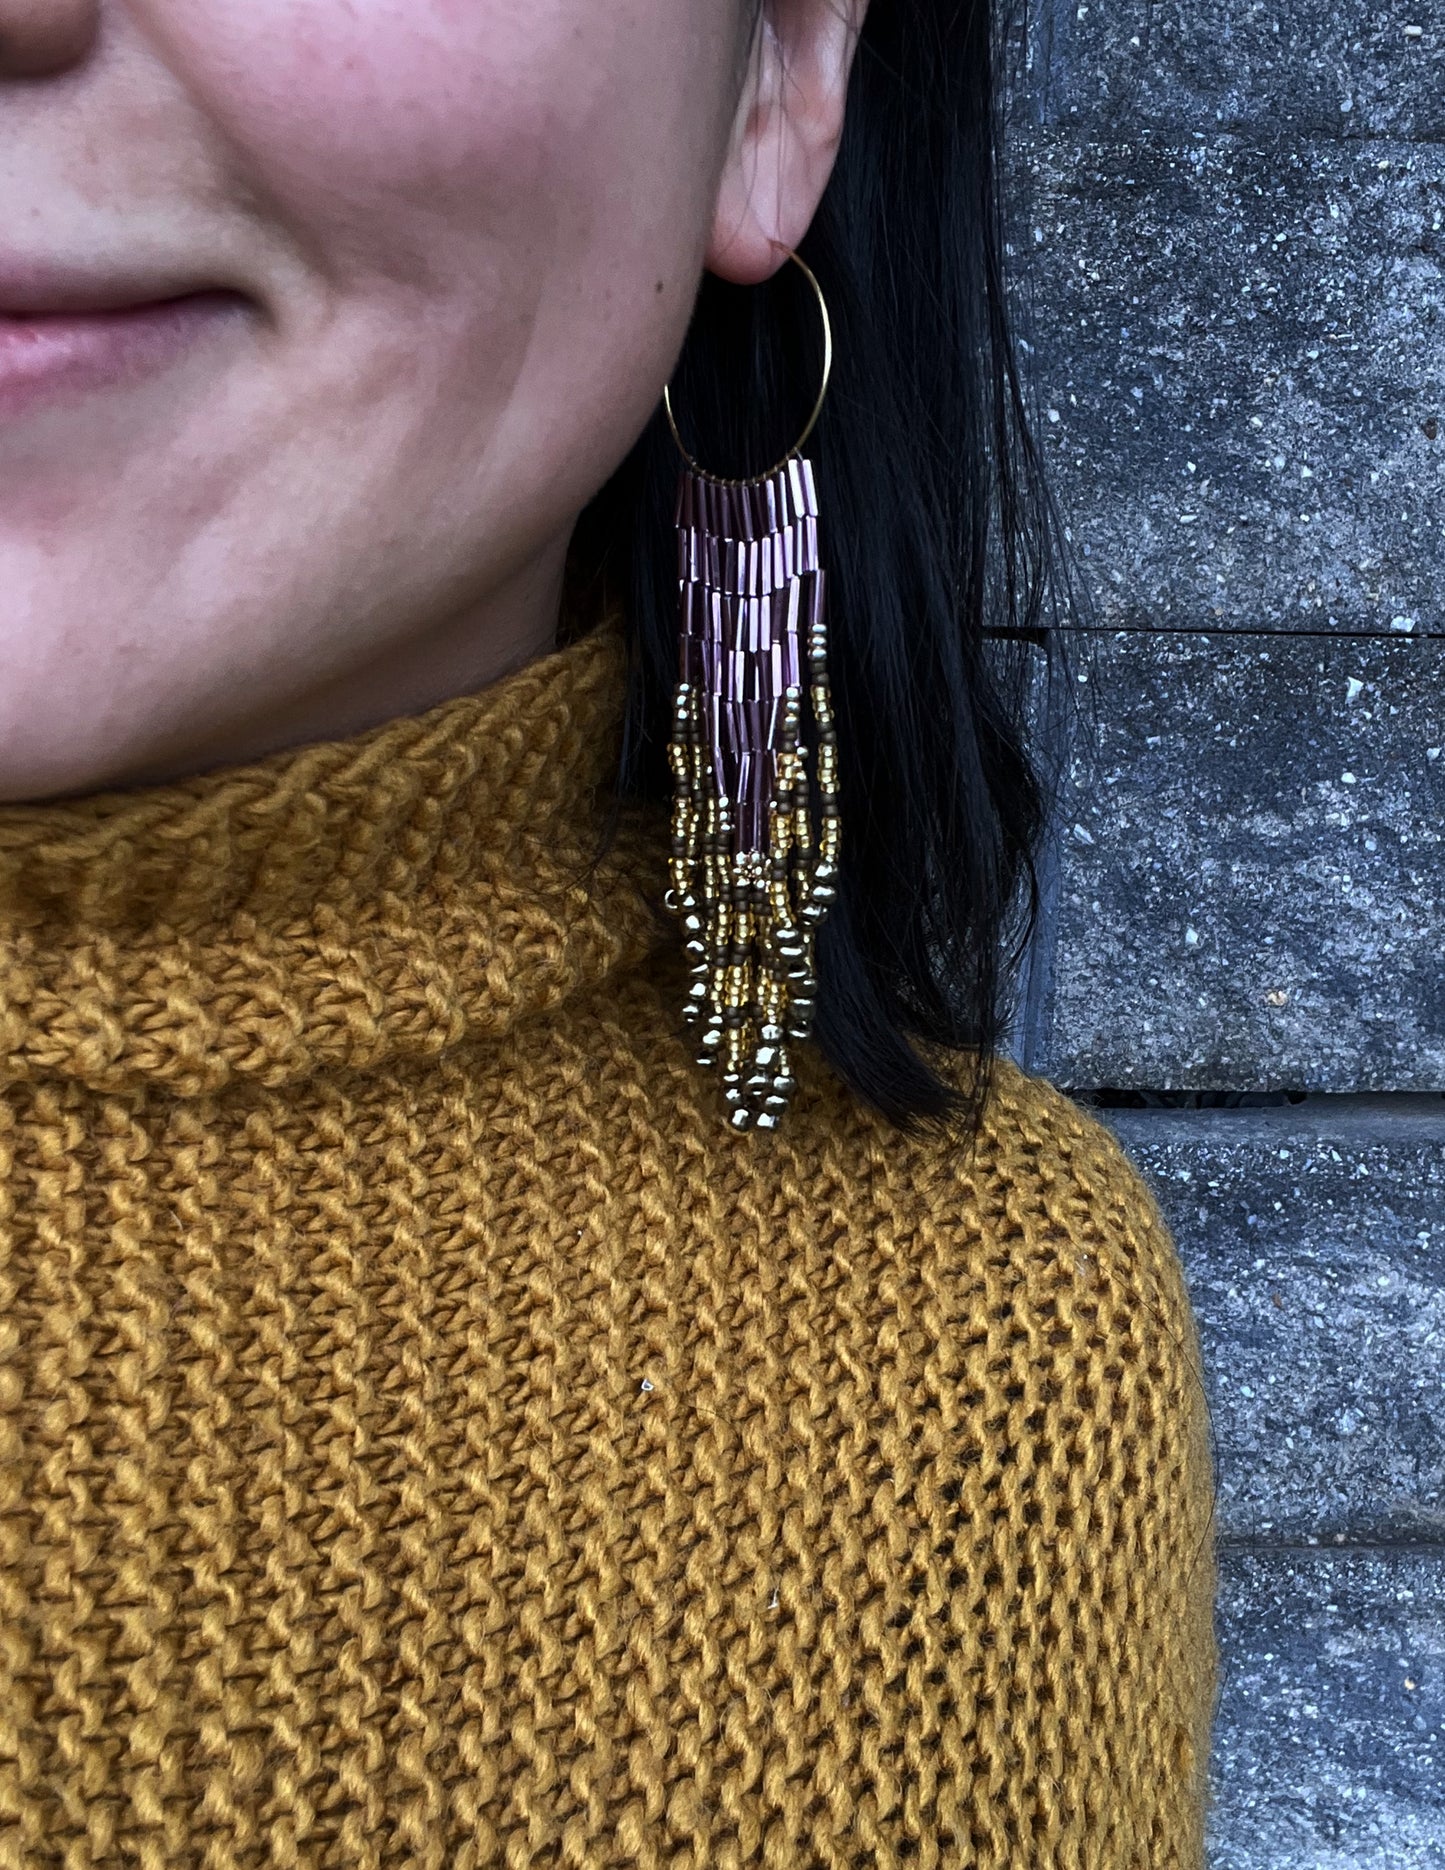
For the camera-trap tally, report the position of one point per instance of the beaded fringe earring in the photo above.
(752, 873)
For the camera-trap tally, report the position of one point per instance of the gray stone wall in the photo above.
(1229, 234)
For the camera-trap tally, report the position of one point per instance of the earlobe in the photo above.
(785, 136)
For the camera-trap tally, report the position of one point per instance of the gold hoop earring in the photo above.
(812, 423)
(752, 873)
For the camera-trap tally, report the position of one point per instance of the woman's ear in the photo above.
(785, 136)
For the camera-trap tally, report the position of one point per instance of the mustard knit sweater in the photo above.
(430, 1437)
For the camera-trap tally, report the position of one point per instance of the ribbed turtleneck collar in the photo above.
(389, 894)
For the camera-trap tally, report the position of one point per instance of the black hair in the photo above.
(941, 547)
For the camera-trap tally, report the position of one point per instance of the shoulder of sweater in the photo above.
(1029, 1132)
(1031, 1137)
(1038, 1162)
(1034, 1129)
(1042, 1180)
(1035, 1231)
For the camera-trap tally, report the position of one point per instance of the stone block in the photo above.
(1329, 1748)
(1337, 68)
(1241, 382)
(1250, 859)
(1313, 1239)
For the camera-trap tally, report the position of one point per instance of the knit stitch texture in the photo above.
(430, 1437)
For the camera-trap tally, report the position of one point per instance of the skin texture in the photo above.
(462, 239)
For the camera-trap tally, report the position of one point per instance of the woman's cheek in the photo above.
(387, 135)
(505, 199)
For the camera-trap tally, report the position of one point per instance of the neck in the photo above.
(464, 651)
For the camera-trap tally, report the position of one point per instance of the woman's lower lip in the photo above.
(52, 356)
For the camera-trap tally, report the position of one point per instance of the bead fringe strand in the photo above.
(750, 880)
